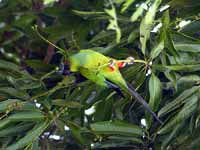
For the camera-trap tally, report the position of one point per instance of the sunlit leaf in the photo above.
(113, 24)
(126, 5)
(147, 23)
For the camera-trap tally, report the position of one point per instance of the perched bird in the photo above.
(103, 71)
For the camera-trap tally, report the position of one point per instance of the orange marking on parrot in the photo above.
(112, 68)
(121, 64)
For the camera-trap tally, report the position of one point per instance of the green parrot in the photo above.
(103, 71)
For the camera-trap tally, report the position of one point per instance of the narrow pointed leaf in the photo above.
(26, 116)
(186, 47)
(116, 127)
(177, 102)
(184, 114)
(157, 49)
(30, 137)
(155, 90)
(147, 23)
(126, 5)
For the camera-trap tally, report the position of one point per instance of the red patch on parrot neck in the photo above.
(121, 64)
(111, 68)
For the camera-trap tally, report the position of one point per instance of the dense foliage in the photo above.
(43, 106)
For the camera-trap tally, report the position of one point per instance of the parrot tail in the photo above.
(132, 91)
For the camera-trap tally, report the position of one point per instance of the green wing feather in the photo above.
(87, 59)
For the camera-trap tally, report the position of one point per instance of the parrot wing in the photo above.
(87, 59)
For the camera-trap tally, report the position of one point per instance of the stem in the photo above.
(48, 74)
(140, 61)
(35, 28)
(135, 61)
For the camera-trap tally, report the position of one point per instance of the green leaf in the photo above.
(103, 110)
(166, 34)
(133, 35)
(185, 113)
(187, 47)
(136, 14)
(126, 5)
(13, 92)
(193, 27)
(30, 137)
(157, 49)
(189, 78)
(65, 103)
(177, 102)
(39, 65)
(9, 66)
(14, 130)
(113, 24)
(47, 2)
(147, 23)
(15, 104)
(4, 123)
(172, 135)
(181, 67)
(88, 13)
(116, 127)
(7, 104)
(155, 90)
(26, 116)
(125, 138)
(76, 132)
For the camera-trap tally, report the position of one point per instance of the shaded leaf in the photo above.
(12, 131)
(116, 127)
(177, 102)
(157, 50)
(183, 114)
(26, 116)
(64, 103)
(187, 47)
(30, 137)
